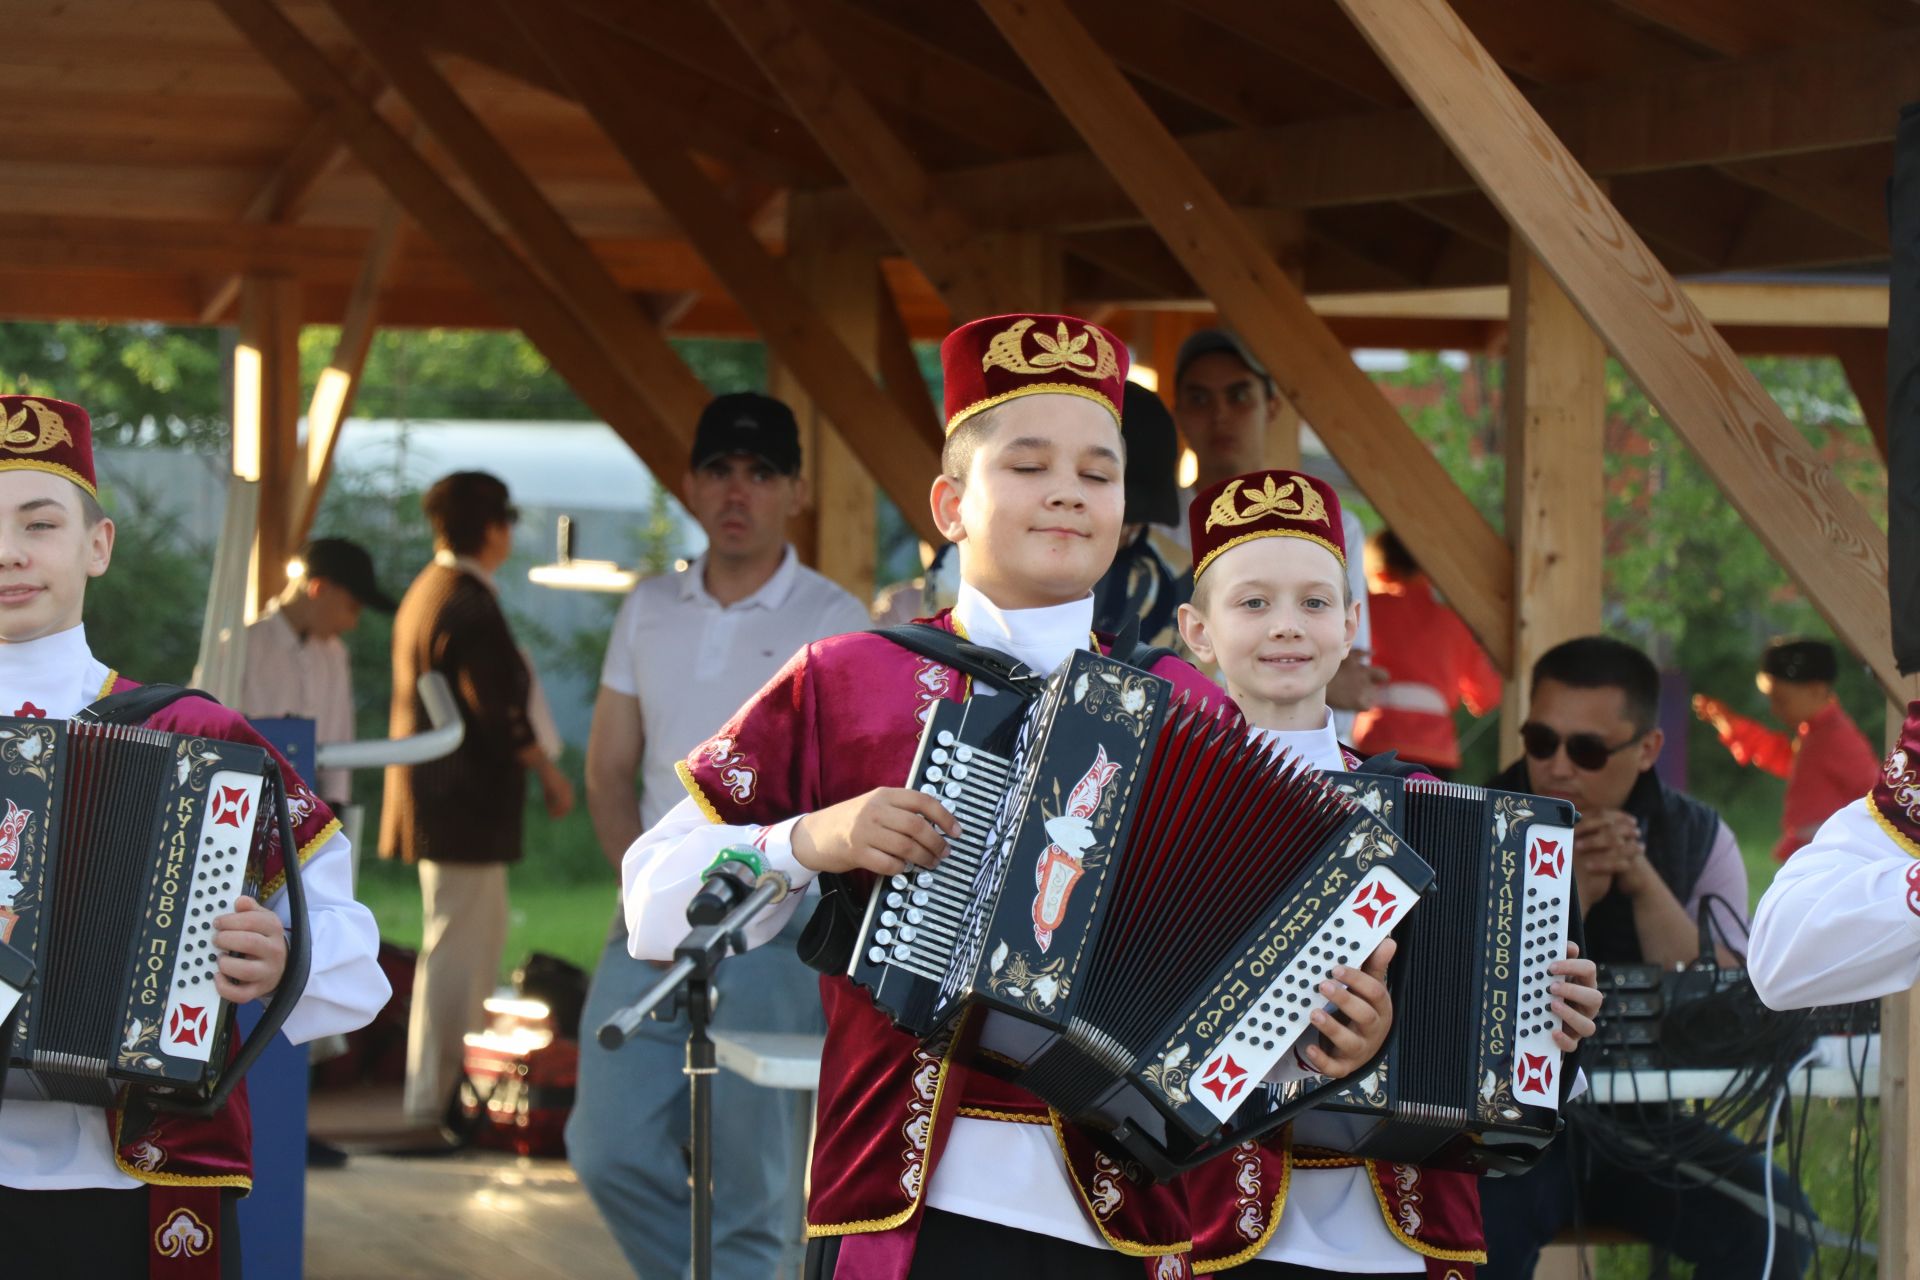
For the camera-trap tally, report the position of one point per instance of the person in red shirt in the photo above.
(1432, 661)
(1826, 760)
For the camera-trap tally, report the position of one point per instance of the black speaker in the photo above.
(1903, 394)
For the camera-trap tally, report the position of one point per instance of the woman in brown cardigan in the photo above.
(459, 817)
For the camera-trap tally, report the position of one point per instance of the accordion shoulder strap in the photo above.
(138, 705)
(1391, 765)
(1001, 670)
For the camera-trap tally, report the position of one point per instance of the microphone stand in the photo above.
(694, 962)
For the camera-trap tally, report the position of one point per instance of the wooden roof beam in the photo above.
(1840, 95)
(893, 446)
(1468, 560)
(440, 211)
(1804, 516)
(883, 171)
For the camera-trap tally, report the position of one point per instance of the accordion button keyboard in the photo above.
(1255, 1044)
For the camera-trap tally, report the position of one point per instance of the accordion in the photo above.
(119, 848)
(1471, 1079)
(1143, 899)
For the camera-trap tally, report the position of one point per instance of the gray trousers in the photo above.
(631, 1121)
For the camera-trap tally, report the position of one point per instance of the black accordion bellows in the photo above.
(1143, 902)
(119, 848)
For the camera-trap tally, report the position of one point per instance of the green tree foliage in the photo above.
(1685, 577)
(142, 384)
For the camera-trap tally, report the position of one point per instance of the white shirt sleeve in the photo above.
(345, 985)
(662, 871)
(616, 670)
(1841, 922)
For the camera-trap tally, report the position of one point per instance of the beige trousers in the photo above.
(466, 932)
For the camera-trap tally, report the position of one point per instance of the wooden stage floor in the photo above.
(474, 1215)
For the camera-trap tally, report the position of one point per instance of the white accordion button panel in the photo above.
(219, 868)
(1278, 1016)
(1543, 933)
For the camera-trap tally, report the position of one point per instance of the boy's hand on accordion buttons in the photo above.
(1577, 998)
(1365, 1008)
(881, 831)
(253, 951)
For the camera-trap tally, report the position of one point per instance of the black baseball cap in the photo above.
(1153, 458)
(1207, 342)
(750, 423)
(348, 565)
(1801, 662)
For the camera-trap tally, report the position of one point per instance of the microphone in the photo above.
(729, 878)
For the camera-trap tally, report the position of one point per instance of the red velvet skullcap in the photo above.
(42, 434)
(1264, 504)
(1895, 798)
(999, 358)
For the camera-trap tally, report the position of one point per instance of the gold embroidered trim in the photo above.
(52, 468)
(106, 687)
(1008, 1117)
(926, 1172)
(1296, 500)
(1058, 350)
(1231, 543)
(1033, 389)
(1252, 1251)
(998, 1057)
(155, 1178)
(1899, 837)
(692, 784)
(1425, 1250)
(1329, 1162)
(307, 850)
(1131, 1248)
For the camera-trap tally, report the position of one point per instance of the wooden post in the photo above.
(1556, 410)
(337, 384)
(266, 418)
(844, 283)
(1899, 1136)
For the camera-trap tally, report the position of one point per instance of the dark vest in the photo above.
(1678, 831)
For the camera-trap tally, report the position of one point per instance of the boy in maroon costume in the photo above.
(1271, 608)
(82, 1194)
(921, 1166)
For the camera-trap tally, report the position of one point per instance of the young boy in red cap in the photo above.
(920, 1166)
(1271, 608)
(81, 1193)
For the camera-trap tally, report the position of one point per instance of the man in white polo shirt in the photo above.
(687, 649)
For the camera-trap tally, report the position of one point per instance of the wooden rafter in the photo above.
(441, 212)
(339, 381)
(1846, 189)
(628, 339)
(285, 192)
(1467, 559)
(1799, 510)
(899, 457)
(887, 176)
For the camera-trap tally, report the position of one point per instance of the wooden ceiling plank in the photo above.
(1800, 511)
(1466, 557)
(1839, 95)
(885, 173)
(430, 202)
(892, 446)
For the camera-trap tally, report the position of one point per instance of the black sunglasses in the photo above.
(1587, 751)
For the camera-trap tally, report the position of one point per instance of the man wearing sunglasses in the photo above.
(1645, 857)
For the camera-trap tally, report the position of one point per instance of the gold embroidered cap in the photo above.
(1264, 504)
(999, 358)
(42, 434)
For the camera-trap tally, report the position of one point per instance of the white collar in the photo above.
(466, 564)
(1042, 638)
(1317, 747)
(772, 593)
(58, 652)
